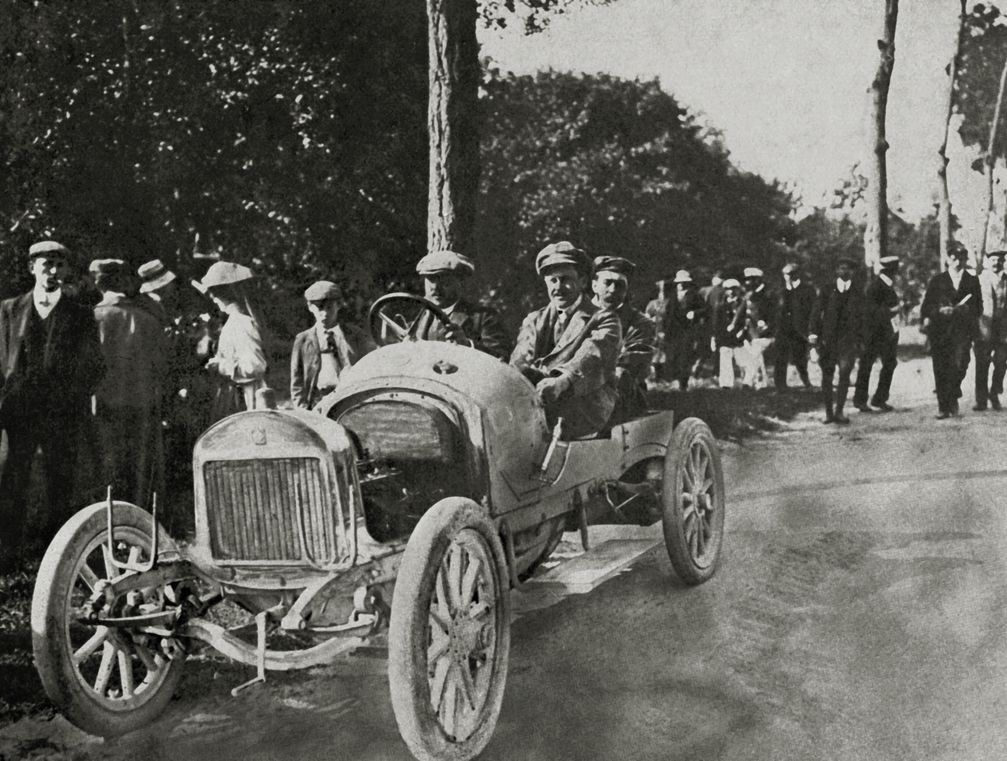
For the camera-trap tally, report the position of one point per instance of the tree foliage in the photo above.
(981, 60)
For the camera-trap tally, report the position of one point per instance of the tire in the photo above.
(468, 632)
(85, 691)
(692, 501)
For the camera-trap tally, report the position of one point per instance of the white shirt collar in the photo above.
(793, 284)
(111, 297)
(843, 285)
(956, 277)
(45, 300)
(572, 308)
(321, 330)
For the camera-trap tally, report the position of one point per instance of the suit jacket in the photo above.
(793, 311)
(835, 335)
(481, 324)
(74, 355)
(638, 339)
(992, 323)
(306, 362)
(587, 352)
(962, 323)
(135, 350)
(728, 324)
(882, 305)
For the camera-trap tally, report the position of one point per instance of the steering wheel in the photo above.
(386, 329)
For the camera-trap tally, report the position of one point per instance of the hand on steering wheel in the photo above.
(383, 327)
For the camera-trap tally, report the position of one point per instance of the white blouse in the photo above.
(240, 356)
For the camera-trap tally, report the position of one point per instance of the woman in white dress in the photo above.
(240, 361)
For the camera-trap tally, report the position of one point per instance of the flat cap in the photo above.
(440, 262)
(323, 290)
(991, 254)
(731, 283)
(848, 261)
(154, 275)
(614, 264)
(682, 276)
(888, 262)
(752, 272)
(225, 273)
(106, 266)
(44, 247)
(559, 254)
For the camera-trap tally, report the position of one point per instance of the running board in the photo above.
(584, 572)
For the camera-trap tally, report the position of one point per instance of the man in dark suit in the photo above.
(445, 274)
(881, 337)
(990, 346)
(611, 291)
(570, 348)
(679, 320)
(837, 324)
(322, 352)
(50, 364)
(950, 310)
(793, 314)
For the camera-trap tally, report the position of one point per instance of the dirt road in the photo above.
(859, 614)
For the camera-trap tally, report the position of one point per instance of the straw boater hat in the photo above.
(154, 275)
(225, 273)
(682, 276)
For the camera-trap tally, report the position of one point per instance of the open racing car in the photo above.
(429, 480)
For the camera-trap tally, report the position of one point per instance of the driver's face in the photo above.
(610, 289)
(325, 312)
(564, 284)
(50, 272)
(443, 288)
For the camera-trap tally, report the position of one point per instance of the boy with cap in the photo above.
(950, 310)
(322, 352)
(444, 275)
(729, 335)
(570, 348)
(50, 364)
(881, 337)
(793, 313)
(991, 343)
(837, 325)
(611, 291)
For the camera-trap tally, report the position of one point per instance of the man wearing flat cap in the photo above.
(881, 337)
(611, 291)
(837, 330)
(50, 364)
(990, 346)
(322, 352)
(951, 309)
(793, 313)
(680, 323)
(570, 348)
(128, 399)
(445, 274)
(759, 314)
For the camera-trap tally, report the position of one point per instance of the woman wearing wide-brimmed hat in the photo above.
(240, 360)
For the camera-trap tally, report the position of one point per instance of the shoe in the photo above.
(954, 408)
(995, 403)
(978, 407)
(882, 406)
(841, 419)
(862, 406)
(943, 415)
(829, 417)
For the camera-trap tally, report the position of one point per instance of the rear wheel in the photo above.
(449, 634)
(107, 681)
(692, 501)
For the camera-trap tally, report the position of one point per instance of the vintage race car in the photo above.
(428, 479)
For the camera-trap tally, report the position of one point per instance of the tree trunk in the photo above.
(876, 231)
(452, 121)
(943, 197)
(991, 160)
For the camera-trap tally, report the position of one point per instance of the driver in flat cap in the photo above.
(611, 291)
(570, 348)
(445, 274)
(322, 352)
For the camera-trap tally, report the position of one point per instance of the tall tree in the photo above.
(943, 196)
(876, 232)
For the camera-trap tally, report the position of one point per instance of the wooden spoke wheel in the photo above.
(449, 633)
(692, 501)
(107, 681)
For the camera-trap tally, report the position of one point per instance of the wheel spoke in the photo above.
(700, 537)
(694, 541)
(93, 643)
(450, 706)
(441, 624)
(468, 686)
(439, 681)
(443, 602)
(707, 485)
(468, 584)
(147, 658)
(88, 576)
(110, 571)
(125, 674)
(105, 669)
(480, 610)
(454, 563)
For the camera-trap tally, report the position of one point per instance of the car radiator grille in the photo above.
(253, 507)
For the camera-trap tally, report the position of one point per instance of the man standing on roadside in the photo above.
(50, 364)
(881, 337)
(792, 317)
(991, 343)
(950, 310)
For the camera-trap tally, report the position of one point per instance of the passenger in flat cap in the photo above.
(611, 291)
(50, 364)
(128, 400)
(445, 277)
(239, 364)
(324, 351)
(881, 337)
(837, 330)
(951, 308)
(990, 346)
(570, 348)
(793, 313)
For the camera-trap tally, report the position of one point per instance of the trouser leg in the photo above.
(726, 374)
(982, 351)
(942, 357)
(799, 358)
(889, 360)
(847, 360)
(828, 366)
(59, 458)
(22, 441)
(999, 369)
(864, 373)
(784, 351)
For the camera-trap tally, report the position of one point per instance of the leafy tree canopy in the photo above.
(982, 57)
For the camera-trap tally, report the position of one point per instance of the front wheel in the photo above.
(692, 501)
(106, 681)
(449, 634)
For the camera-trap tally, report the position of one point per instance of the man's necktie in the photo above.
(559, 328)
(333, 348)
